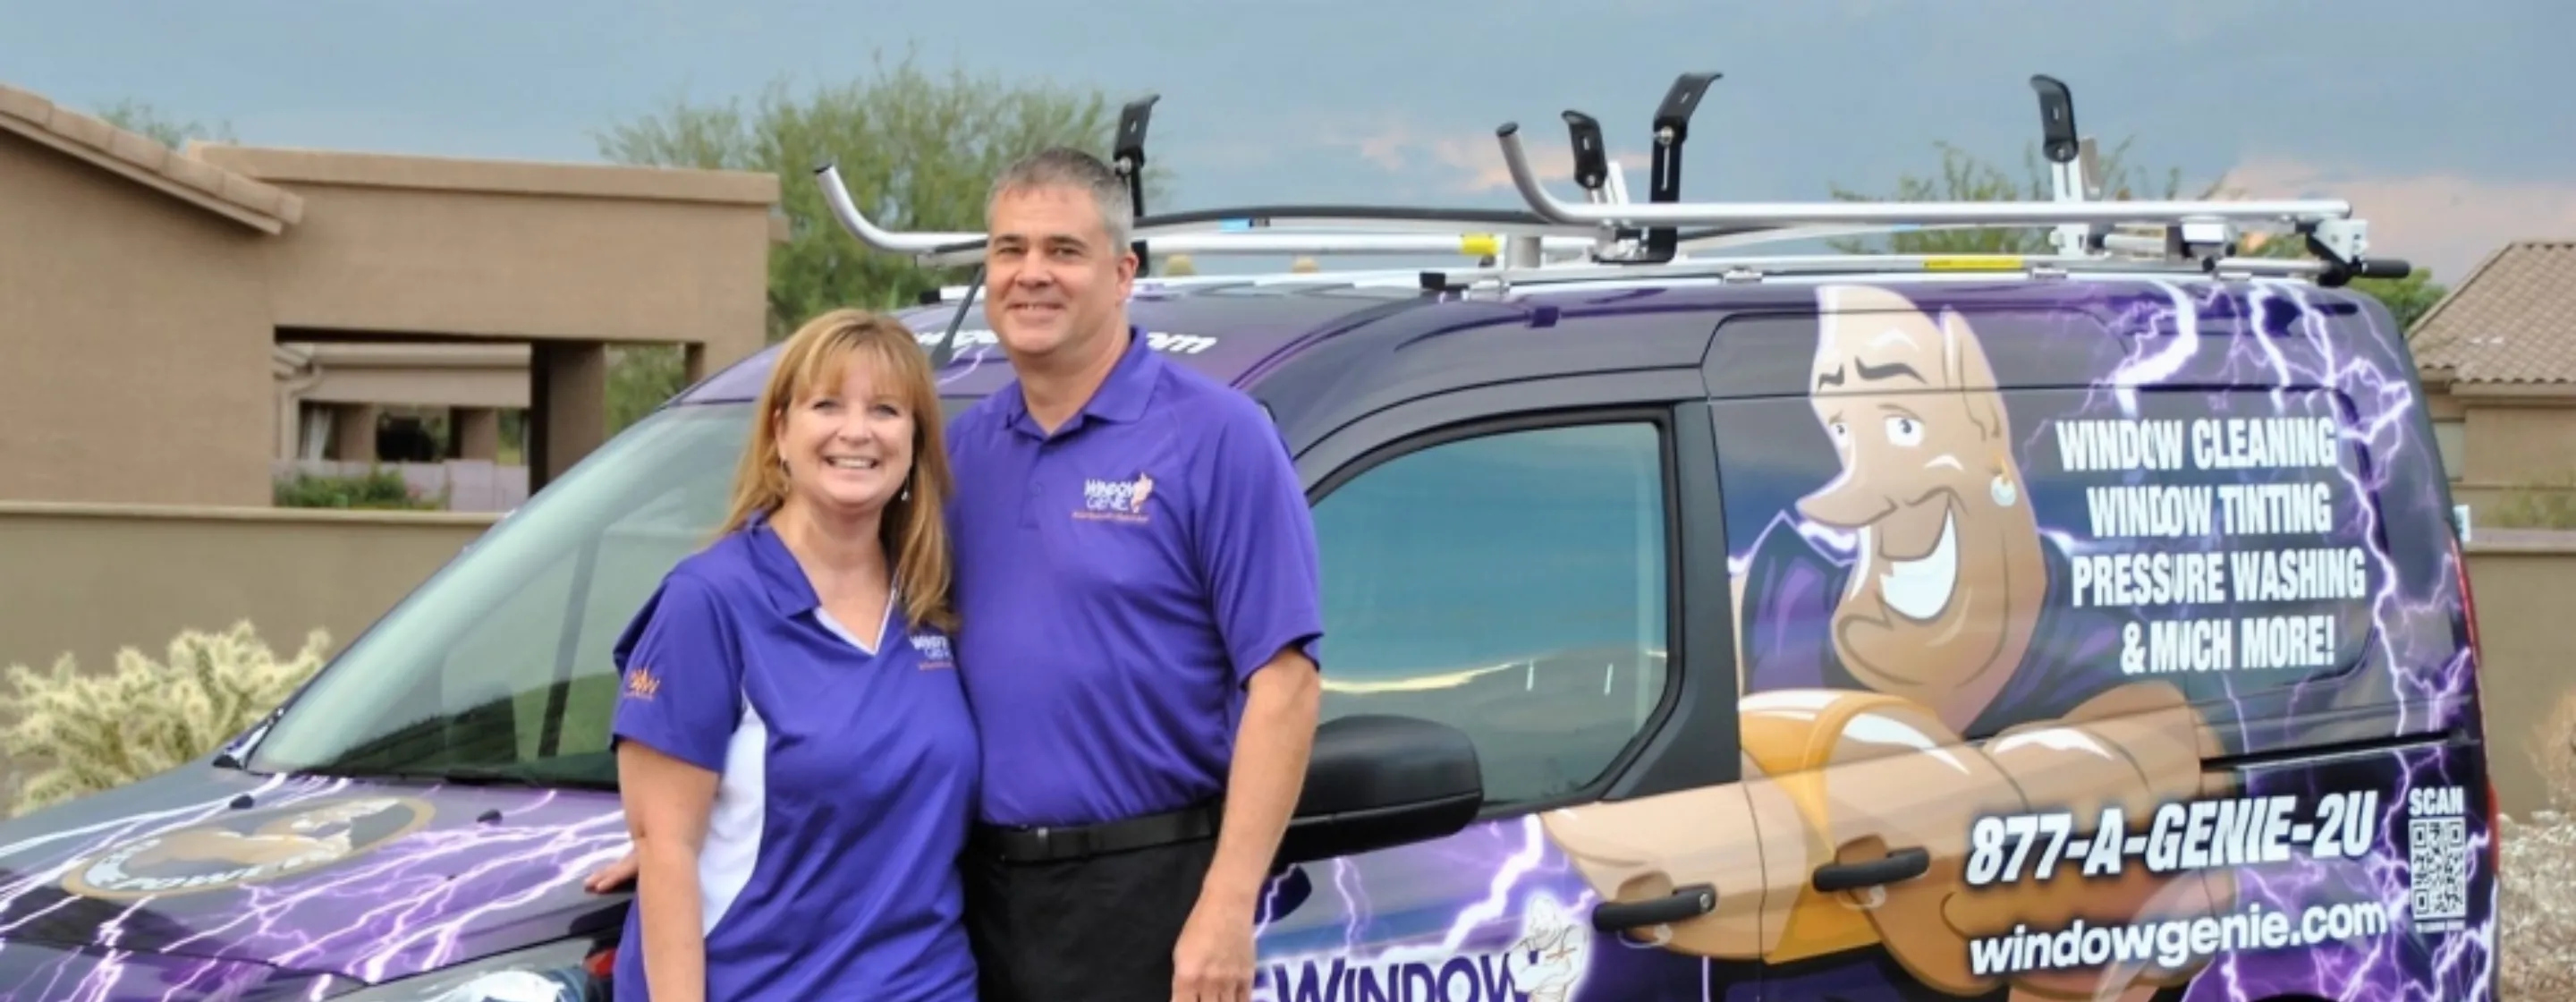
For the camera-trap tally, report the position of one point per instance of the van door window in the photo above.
(1511, 585)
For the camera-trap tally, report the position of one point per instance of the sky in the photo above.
(2447, 126)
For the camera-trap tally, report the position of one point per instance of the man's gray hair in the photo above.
(1062, 167)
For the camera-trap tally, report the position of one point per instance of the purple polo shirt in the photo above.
(847, 763)
(1119, 582)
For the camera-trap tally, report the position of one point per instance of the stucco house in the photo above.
(2498, 361)
(181, 322)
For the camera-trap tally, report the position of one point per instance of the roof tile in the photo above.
(24, 104)
(104, 141)
(2513, 320)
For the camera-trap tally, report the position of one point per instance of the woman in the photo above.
(796, 755)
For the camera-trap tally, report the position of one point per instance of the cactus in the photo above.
(101, 730)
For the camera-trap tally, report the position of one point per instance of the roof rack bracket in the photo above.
(2058, 136)
(2344, 244)
(1591, 163)
(1128, 156)
(2069, 166)
(1594, 173)
(1664, 185)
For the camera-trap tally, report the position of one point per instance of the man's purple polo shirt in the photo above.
(1118, 583)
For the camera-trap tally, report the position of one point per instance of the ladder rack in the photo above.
(1608, 237)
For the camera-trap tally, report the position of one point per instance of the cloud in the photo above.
(2446, 222)
(1473, 164)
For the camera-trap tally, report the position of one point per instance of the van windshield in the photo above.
(497, 668)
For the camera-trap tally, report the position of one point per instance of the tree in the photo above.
(137, 116)
(1965, 177)
(917, 151)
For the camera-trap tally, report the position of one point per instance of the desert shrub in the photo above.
(2537, 949)
(379, 488)
(97, 730)
(2548, 503)
(2552, 747)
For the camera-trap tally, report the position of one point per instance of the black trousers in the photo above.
(1099, 928)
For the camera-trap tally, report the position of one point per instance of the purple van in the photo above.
(2072, 625)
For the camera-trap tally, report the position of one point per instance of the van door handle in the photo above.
(1683, 903)
(1900, 864)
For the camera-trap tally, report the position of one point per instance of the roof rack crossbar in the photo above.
(1755, 267)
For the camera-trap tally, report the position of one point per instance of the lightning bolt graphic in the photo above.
(430, 898)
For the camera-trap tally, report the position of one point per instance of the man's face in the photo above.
(1946, 584)
(1051, 276)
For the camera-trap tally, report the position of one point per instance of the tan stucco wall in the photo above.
(550, 251)
(134, 339)
(2522, 602)
(2517, 451)
(2512, 442)
(88, 579)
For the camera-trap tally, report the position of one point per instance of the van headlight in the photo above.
(555, 972)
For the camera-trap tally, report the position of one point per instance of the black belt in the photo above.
(1054, 844)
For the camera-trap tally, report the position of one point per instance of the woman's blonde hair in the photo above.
(914, 529)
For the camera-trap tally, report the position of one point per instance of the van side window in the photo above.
(1510, 584)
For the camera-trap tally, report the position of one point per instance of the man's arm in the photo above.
(1255, 542)
(1271, 747)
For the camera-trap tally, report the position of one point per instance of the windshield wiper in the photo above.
(480, 775)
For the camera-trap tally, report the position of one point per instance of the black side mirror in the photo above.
(1378, 781)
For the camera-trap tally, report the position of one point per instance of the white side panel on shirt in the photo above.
(733, 827)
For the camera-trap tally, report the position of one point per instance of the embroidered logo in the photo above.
(641, 683)
(933, 648)
(1116, 500)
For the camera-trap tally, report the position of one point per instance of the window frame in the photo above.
(1680, 444)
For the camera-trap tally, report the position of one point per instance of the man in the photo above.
(1138, 584)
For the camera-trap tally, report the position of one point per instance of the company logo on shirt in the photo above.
(1116, 500)
(641, 683)
(933, 648)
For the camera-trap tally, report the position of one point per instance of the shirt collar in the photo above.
(789, 592)
(1121, 397)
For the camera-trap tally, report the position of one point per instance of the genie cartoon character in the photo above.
(1863, 679)
(1548, 962)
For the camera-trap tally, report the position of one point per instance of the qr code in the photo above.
(2438, 856)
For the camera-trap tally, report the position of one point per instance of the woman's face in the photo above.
(848, 446)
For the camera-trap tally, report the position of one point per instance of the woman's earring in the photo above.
(2003, 491)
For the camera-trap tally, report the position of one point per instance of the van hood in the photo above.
(204, 875)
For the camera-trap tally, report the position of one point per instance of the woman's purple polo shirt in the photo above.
(849, 770)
